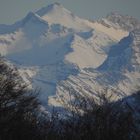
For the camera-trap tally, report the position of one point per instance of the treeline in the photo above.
(19, 119)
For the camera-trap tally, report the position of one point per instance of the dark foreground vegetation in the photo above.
(19, 120)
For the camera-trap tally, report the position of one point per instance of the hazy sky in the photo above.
(13, 10)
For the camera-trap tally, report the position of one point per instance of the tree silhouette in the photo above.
(18, 105)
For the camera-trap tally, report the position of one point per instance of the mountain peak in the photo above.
(50, 8)
(57, 14)
(117, 16)
(32, 17)
(126, 22)
(29, 16)
(57, 3)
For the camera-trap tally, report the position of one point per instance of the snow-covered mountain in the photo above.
(57, 51)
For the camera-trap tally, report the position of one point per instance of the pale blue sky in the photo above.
(13, 10)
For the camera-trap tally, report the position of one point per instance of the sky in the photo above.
(14, 10)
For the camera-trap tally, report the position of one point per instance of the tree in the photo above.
(18, 105)
(98, 121)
